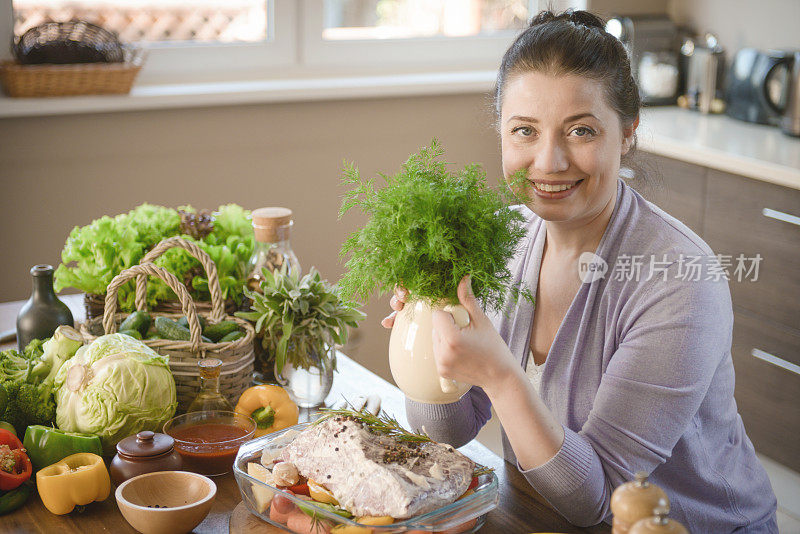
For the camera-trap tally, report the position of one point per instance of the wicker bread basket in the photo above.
(71, 79)
(237, 356)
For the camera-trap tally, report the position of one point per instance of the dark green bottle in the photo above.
(44, 312)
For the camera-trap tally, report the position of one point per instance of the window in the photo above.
(226, 40)
(155, 22)
(186, 40)
(454, 33)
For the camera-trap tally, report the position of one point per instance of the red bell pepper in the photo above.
(300, 489)
(15, 466)
(473, 483)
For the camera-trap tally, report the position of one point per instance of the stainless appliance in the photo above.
(756, 86)
(652, 43)
(790, 123)
(704, 63)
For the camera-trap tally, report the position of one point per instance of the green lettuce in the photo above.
(94, 254)
(114, 388)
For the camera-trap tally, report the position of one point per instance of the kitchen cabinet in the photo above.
(745, 216)
(674, 186)
(740, 215)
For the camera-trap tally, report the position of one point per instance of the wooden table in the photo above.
(520, 509)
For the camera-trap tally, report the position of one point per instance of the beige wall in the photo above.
(761, 24)
(608, 8)
(58, 172)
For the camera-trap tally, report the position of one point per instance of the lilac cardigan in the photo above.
(640, 376)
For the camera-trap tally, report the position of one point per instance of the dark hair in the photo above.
(574, 42)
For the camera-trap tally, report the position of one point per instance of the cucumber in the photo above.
(153, 335)
(169, 329)
(133, 333)
(217, 331)
(233, 336)
(183, 321)
(138, 320)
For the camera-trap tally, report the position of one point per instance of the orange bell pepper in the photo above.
(270, 407)
(74, 481)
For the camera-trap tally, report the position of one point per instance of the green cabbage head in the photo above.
(116, 387)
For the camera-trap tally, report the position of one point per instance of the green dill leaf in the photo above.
(427, 228)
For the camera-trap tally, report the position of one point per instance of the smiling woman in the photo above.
(628, 369)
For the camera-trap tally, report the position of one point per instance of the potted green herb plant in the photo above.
(302, 320)
(427, 228)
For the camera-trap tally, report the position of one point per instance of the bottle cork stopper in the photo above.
(209, 367)
(272, 224)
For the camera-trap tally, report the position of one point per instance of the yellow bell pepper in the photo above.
(320, 493)
(270, 407)
(74, 481)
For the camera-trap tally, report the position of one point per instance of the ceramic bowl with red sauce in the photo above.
(208, 441)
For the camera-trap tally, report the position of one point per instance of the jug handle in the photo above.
(765, 92)
(461, 318)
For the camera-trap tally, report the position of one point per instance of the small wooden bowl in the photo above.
(166, 502)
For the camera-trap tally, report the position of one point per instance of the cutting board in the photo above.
(243, 522)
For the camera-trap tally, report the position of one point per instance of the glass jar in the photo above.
(273, 251)
(209, 397)
(272, 228)
(658, 77)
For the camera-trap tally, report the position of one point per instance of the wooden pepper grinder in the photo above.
(633, 501)
(659, 524)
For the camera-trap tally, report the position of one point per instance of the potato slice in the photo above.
(263, 496)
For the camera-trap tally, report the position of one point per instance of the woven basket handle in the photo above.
(217, 304)
(140, 271)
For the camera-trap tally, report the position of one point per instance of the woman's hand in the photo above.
(475, 354)
(397, 302)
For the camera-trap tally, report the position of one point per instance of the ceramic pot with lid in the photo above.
(633, 501)
(146, 452)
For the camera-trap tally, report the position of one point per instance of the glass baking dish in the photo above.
(461, 517)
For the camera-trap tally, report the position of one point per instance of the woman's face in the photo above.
(561, 130)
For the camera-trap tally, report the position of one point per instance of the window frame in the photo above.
(193, 62)
(423, 52)
(295, 49)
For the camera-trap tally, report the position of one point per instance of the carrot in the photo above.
(303, 524)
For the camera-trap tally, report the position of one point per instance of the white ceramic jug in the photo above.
(411, 354)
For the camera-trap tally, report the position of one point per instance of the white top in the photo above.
(534, 372)
(723, 143)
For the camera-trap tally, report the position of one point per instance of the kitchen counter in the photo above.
(720, 142)
(519, 509)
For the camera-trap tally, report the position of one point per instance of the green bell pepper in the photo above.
(47, 445)
(11, 500)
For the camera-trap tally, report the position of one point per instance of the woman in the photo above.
(611, 372)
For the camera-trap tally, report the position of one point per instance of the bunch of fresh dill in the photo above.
(427, 229)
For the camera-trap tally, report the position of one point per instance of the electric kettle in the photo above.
(790, 111)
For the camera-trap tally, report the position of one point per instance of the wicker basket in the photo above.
(72, 79)
(237, 356)
(94, 304)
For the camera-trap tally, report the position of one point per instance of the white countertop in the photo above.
(720, 142)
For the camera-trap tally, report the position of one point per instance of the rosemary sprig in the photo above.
(482, 470)
(379, 424)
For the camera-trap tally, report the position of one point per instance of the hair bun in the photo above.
(578, 17)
